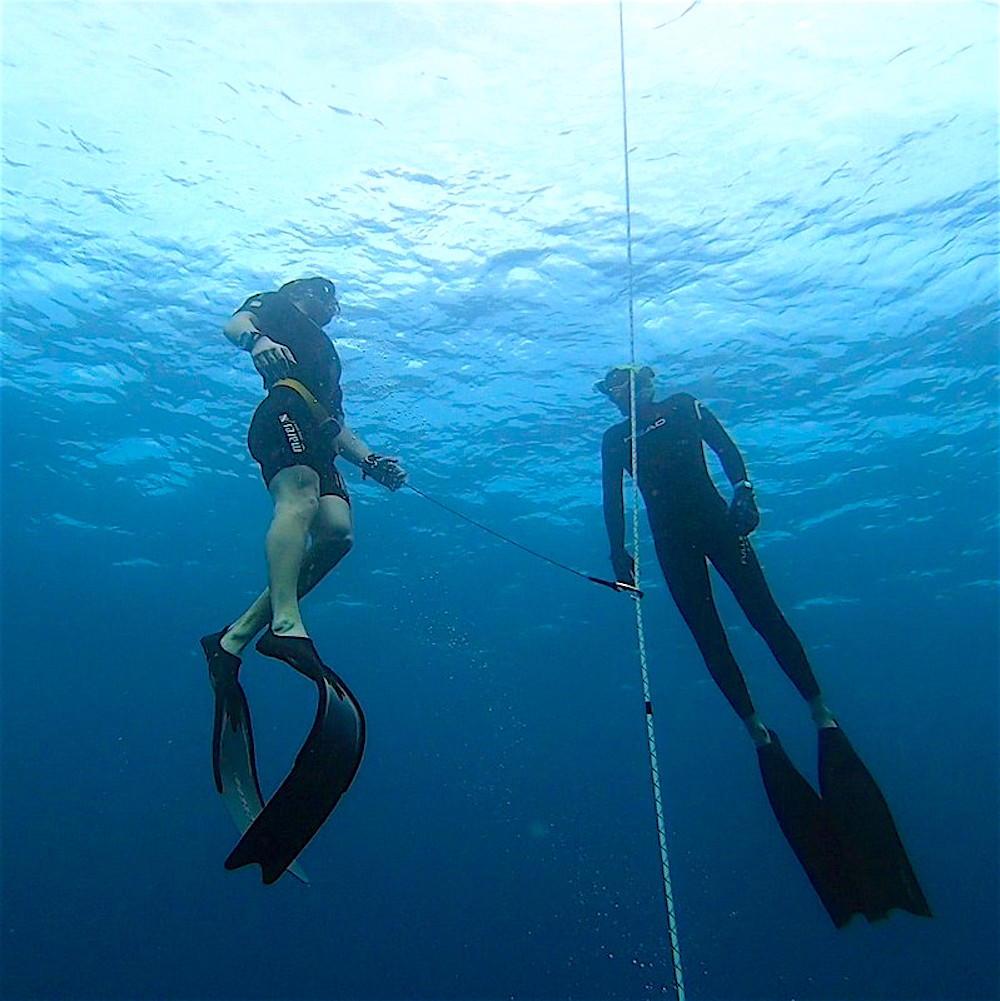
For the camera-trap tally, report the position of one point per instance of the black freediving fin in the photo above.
(884, 877)
(323, 769)
(234, 763)
(805, 821)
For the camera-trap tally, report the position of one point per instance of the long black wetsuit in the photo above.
(284, 431)
(690, 524)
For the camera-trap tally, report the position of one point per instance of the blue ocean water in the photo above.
(815, 227)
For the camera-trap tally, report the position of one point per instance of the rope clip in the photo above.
(629, 589)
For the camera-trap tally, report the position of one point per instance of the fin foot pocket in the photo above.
(296, 651)
(223, 666)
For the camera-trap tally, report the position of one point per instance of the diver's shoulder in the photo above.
(680, 399)
(258, 301)
(682, 406)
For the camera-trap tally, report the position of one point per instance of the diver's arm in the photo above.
(717, 438)
(612, 470)
(381, 468)
(242, 331)
(743, 513)
(270, 358)
(351, 447)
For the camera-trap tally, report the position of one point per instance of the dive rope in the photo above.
(654, 768)
(615, 585)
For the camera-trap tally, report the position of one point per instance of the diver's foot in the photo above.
(223, 666)
(288, 625)
(821, 714)
(759, 733)
(296, 651)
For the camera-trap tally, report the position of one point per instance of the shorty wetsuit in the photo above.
(284, 431)
(690, 525)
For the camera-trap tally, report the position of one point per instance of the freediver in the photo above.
(296, 434)
(844, 838)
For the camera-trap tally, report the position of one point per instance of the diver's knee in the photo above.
(329, 550)
(295, 492)
(338, 536)
(300, 506)
(334, 522)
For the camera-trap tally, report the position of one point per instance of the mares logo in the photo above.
(292, 433)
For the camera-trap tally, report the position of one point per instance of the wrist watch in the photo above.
(249, 338)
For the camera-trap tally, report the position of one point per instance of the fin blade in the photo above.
(322, 773)
(884, 874)
(805, 822)
(234, 762)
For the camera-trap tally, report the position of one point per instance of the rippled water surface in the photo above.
(814, 255)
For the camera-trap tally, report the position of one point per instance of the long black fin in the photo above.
(234, 762)
(323, 769)
(805, 821)
(883, 874)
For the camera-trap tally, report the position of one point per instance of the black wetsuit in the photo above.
(690, 524)
(285, 431)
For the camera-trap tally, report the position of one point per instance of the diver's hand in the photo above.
(624, 567)
(384, 470)
(743, 513)
(271, 359)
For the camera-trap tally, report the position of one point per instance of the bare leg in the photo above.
(296, 504)
(332, 538)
